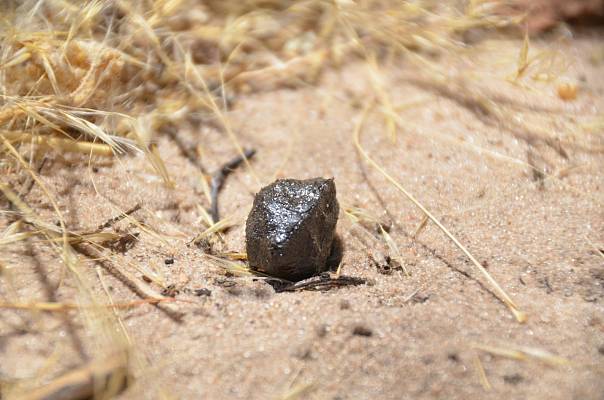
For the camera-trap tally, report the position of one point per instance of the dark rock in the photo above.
(304, 353)
(203, 292)
(322, 330)
(513, 379)
(344, 304)
(420, 298)
(290, 230)
(361, 330)
(427, 359)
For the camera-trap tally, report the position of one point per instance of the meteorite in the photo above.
(290, 229)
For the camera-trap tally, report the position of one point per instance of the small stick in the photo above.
(420, 227)
(118, 218)
(484, 381)
(64, 307)
(598, 251)
(323, 283)
(31, 182)
(219, 177)
(410, 296)
(523, 353)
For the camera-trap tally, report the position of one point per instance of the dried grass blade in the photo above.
(519, 315)
(523, 353)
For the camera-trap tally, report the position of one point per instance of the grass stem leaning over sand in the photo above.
(503, 296)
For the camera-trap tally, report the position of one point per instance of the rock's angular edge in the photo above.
(291, 227)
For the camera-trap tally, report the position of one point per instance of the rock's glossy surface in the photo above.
(290, 230)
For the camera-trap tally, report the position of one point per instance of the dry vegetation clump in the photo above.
(116, 72)
(112, 74)
(104, 78)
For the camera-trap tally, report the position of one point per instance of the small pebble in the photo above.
(567, 91)
(203, 292)
(361, 330)
(344, 304)
(322, 330)
(513, 379)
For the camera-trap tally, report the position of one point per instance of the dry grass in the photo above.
(523, 353)
(505, 298)
(105, 78)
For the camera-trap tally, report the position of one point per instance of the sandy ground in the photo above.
(245, 341)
